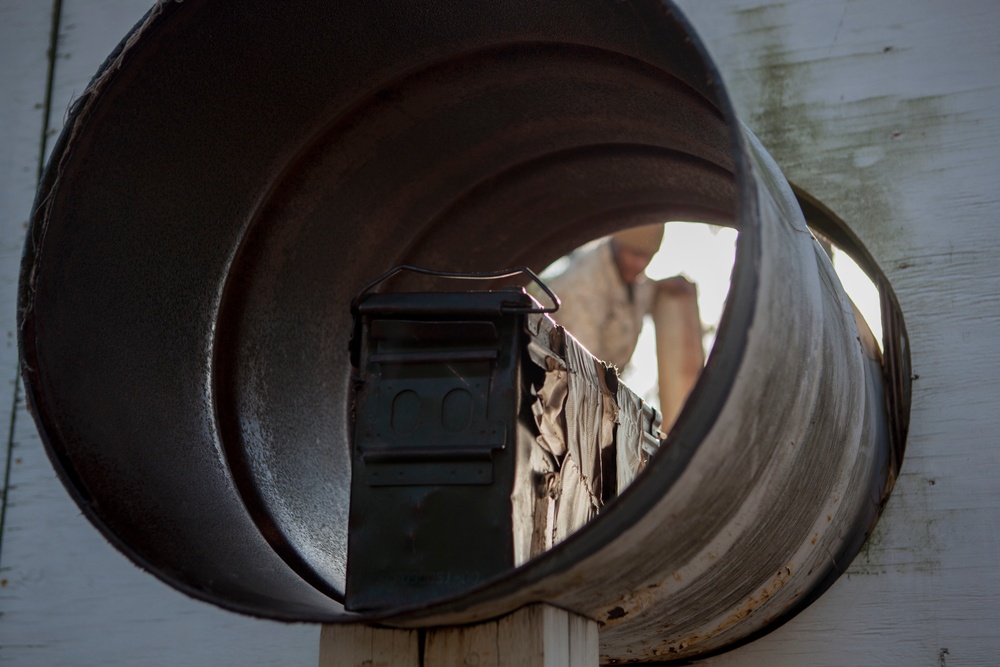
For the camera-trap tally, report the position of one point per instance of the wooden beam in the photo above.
(680, 355)
(363, 646)
(535, 636)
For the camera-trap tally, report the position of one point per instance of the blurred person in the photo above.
(605, 293)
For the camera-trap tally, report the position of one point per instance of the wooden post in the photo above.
(359, 645)
(535, 636)
(679, 352)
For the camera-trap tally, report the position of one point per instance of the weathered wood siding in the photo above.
(886, 111)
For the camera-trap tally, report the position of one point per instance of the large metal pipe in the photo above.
(237, 171)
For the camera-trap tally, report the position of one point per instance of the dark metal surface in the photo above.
(238, 171)
(438, 395)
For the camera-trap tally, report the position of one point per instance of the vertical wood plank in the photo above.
(584, 644)
(535, 636)
(362, 646)
(405, 649)
(517, 641)
(474, 645)
(555, 627)
(679, 352)
(25, 29)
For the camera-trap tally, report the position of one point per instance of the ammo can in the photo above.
(438, 388)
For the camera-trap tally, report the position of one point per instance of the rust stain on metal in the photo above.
(617, 612)
(755, 601)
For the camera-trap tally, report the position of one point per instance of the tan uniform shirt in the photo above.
(597, 307)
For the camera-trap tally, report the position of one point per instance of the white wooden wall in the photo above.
(888, 111)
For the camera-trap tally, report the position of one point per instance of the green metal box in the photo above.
(434, 459)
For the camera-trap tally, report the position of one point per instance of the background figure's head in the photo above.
(634, 248)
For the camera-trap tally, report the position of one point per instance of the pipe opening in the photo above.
(703, 255)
